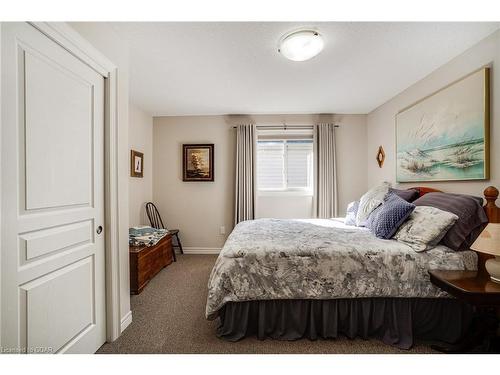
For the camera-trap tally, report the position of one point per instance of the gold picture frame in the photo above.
(136, 164)
(445, 136)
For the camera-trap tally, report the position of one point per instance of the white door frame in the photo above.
(62, 34)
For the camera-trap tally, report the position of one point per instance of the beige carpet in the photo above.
(169, 317)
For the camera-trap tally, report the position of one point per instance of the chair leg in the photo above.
(179, 243)
(173, 253)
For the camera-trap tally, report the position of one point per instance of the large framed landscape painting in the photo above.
(445, 136)
(198, 162)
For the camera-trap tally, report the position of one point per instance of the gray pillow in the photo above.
(470, 212)
(385, 220)
(425, 227)
(408, 195)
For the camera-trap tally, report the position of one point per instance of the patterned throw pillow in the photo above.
(352, 210)
(370, 201)
(385, 220)
(425, 227)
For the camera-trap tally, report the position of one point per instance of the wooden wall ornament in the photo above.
(380, 156)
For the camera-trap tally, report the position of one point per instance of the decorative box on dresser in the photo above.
(147, 261)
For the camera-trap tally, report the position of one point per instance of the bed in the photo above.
(292, 279)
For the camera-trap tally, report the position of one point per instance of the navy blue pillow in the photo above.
(385, 220)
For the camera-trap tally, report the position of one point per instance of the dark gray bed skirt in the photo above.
(395, 321)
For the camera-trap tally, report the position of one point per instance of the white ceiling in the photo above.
(234, 68)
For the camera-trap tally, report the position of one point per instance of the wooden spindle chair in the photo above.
(156, 222)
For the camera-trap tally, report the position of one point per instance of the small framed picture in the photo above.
(136, 163)
(198, 162)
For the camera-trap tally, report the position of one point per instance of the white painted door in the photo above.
(52, 254)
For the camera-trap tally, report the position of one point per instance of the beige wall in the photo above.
(381, 122)
(140, 137)
(200, 209)
(102, 37)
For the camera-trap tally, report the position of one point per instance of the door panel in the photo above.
(59, 121)
(55, 314)
(47, 241)
(53, 292)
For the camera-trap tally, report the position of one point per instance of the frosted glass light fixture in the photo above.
(301, 45)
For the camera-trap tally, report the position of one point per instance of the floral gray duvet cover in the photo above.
(322, 259)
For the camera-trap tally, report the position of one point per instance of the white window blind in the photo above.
(285, 165)
(270, 165)
(299, 164)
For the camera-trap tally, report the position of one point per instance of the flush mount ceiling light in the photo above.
(301, 45)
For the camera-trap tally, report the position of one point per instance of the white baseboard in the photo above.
(126, 320)
(201, 250)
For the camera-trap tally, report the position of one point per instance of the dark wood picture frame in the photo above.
(205, 171)
(133, 170)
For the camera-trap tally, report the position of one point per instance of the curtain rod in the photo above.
(286, 126)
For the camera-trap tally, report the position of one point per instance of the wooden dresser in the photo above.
(146, 262)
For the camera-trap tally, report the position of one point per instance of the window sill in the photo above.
(284, 193)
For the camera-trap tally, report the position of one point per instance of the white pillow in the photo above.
(425, 227)
(352, 211)
(370, 201)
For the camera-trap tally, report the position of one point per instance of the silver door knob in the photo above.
(99, 229)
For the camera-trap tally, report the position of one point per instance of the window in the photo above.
(285, 165)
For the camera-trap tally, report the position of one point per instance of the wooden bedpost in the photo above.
(493, 213)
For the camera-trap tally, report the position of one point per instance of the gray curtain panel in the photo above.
(325, 179)
(245, 173)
